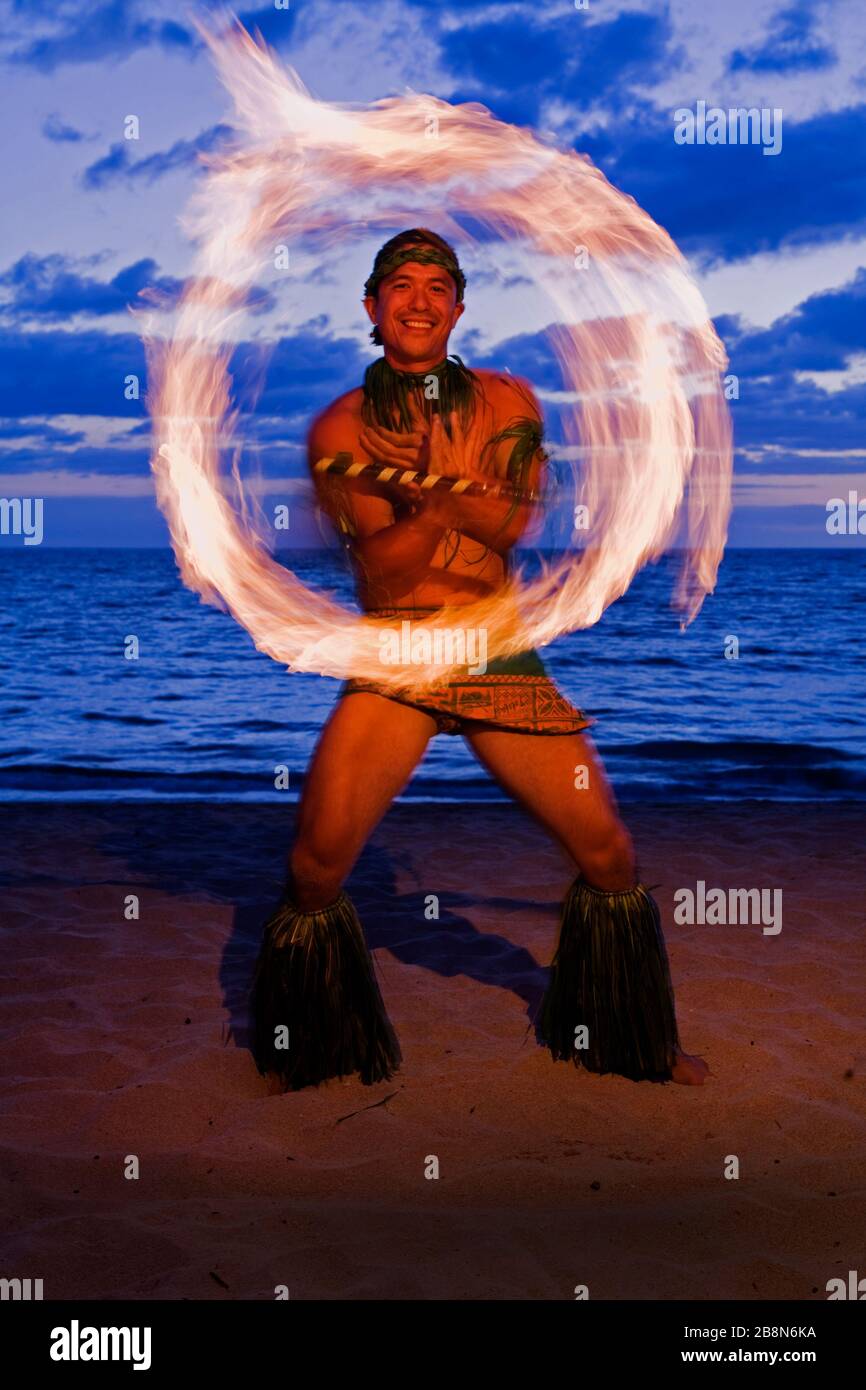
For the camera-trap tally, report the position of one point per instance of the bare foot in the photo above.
(689, 1071)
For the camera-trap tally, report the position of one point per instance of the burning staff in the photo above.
(344, 465)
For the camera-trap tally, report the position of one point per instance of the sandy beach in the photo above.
(127, 1038)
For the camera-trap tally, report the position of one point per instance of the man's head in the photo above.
(414, 297)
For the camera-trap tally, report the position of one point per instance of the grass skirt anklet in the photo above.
(316, 1006)
(610, 976)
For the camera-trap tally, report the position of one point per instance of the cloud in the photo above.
(96, 32)
(795, 489)
(55, 372)
(777, 414)
(39, 429)
(99, 32)
(63, 482)
(54, 129)
(65, 373)
(51, 372)
(517, 65)
(791, 45)
(785, 416)
(727, 202)
(822, 334)
(119, 165)
(51, 288)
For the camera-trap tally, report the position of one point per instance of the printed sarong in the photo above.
(515, 693)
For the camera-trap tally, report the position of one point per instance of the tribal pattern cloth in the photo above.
(514, 694)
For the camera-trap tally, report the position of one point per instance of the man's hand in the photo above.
(399, 447)
(400, 450)
(428, 449)
(459, 456)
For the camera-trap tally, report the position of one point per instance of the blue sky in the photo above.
(778, 243)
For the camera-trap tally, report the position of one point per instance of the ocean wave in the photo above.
(134, 719)
(767, 750)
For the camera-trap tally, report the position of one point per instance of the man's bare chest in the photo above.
(500, 435)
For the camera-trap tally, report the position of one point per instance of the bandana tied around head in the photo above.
(415, 245)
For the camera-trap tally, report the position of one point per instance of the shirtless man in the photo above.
(417, 550)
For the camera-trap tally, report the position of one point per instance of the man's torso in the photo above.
(462, 569)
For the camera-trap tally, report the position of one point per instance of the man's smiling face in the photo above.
(415, 308)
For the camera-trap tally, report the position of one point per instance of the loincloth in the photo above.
(514, 694)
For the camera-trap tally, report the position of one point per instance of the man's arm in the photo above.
(494, 521)
(386, 548)
(499, 522)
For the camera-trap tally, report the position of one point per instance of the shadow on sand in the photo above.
(250, 875)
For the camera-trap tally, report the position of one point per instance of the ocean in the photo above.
(202, 715)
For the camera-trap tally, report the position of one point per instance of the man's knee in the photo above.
(610, 862)
(318, 865)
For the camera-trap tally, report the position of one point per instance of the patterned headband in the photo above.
(427, 255)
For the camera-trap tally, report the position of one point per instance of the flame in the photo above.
(638, 355)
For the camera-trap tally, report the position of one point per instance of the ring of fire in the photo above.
(640, 360)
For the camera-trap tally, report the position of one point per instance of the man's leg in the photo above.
(561, 781)
(366, 755)
(316, 1006)
(541, 772)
